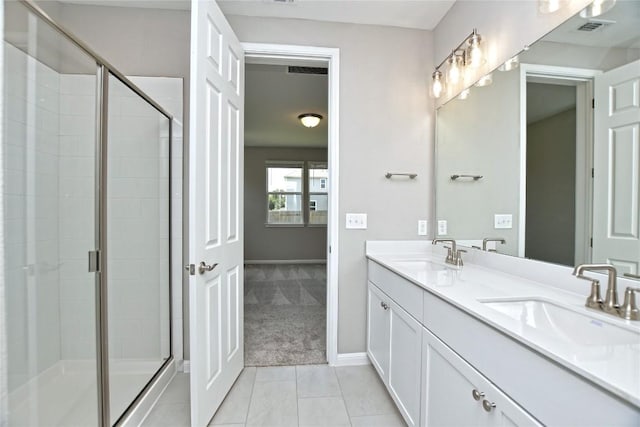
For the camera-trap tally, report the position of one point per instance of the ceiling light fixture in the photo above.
(597, 8)
(510, 64)
(461, 59)
(484, 80)
(310, 120)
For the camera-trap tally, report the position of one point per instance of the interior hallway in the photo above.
(285, 314)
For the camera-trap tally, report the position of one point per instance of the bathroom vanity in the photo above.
(490, 343)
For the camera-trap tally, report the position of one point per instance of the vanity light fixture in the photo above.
(461, 58)
(464, 94)
(510, 64)
(597, 8)
(549, 6)
(484, 80)
(310, 120)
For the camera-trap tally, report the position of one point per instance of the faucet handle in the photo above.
(594, 300)
(629, 310)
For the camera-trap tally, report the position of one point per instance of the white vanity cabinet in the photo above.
(455, 394)
(394, 343)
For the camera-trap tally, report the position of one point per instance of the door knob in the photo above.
(488, 406)
(203, 267)
(477, 395)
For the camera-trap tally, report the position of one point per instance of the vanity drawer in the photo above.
(406, 294)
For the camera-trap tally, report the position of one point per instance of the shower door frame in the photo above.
(98, 259)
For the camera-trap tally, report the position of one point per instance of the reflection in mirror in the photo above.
(556, 139)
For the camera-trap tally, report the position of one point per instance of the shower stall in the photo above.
(85, 306)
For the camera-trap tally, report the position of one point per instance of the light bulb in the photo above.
(598, 7)
(437, 86)
(454, 71)
(548, 6)
(464, 94)
(510, 64)
(474, 54)
(484, 81)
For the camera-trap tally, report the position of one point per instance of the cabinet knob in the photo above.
(488, 406)
(477, 395)
(384, 305)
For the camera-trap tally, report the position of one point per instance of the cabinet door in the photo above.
(405, 363)
(378, 330)
(455, 394)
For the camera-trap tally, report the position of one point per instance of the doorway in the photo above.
(291, 196)
(557, 147)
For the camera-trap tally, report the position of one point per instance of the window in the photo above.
(318, 196)
(297, 193)
(284, 193)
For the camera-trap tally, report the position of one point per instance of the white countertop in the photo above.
(615, 367)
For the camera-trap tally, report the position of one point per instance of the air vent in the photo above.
(593, 25)
(306, 70)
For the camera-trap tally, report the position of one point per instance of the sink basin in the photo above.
(560, 322)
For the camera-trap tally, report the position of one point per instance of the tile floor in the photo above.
(309, 395)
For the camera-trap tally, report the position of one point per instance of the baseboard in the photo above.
(285, 261)
(352, 359)
(186, 366)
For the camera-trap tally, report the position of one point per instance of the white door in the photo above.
(617, 167)
(215, 209)
(378, 330)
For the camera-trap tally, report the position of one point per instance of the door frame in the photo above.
(332, 57)
(584, 153)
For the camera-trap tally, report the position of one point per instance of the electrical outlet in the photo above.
(422, 227)
(502, 221)
(442, 227)
(356, 221)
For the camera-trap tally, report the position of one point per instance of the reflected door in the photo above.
(617, 168)
(215, 208)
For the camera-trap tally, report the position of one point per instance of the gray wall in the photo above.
(386, 124)
(276, 243)
(551, 165)
(505, 26)
(469, 142)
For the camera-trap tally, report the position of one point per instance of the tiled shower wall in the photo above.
(50, 294)
(31, 204)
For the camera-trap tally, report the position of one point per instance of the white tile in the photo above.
(387, 420)
(235, 407)
(273, 403)
(276, 373)
(363, 392)
(322, 411)
(170, 415)
(177, 391)
(317, 381)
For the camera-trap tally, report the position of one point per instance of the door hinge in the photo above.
(593, 174)
(329, 248)
(593, 103)
(94, 262)
(591, 242)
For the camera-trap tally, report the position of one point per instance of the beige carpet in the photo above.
(285, 314)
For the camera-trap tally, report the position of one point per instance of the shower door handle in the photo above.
(203, 267)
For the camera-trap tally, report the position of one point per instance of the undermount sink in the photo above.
(564, 323)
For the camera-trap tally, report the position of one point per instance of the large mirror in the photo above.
(547, 157)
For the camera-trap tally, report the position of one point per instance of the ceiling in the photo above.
(273, 100)
(420, 14)
(546, 100)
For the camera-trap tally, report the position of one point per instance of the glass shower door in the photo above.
(48, 219)
(137, 244)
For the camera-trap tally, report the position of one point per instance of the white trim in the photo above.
(285, 261)
(332, 56)
(351, 359)
(545, 72)
(186, 366)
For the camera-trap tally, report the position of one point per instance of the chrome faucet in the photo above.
(454, 255)
(610, 304)
(492, 239)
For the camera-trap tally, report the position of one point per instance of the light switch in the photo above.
(422, 227)
(442, 227)
(502, 221)
(356, 221)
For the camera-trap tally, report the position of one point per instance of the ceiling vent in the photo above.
(306, 70)
(594, 24)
